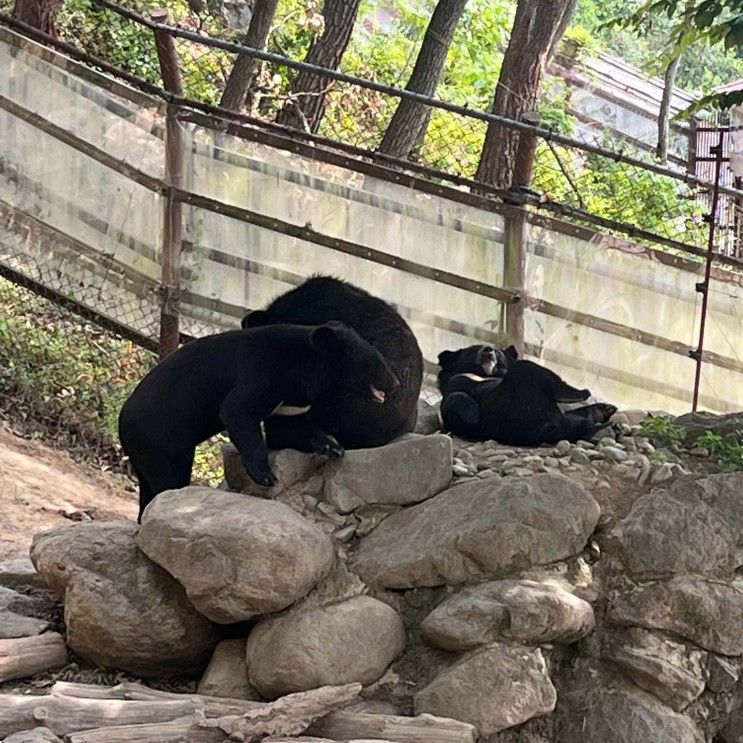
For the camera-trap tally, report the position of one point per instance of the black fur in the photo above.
(482, 360)
(233, 381)
(353, 419)
(520, 408)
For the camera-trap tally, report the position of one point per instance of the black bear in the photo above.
(484, 361)
(518, 408)
(353, 420)
(233, 381)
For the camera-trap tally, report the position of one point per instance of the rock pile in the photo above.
(576, 592)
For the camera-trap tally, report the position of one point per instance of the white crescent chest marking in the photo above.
(473, 377)
(282, 409)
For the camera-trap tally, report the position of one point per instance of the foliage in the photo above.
(63, 379)
(728, 450)
(662, 431)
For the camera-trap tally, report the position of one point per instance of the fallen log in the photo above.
(64, 715)
(336, 726)
(14, 625)
(26, 656)
(185, 730)
(37, 735)
(419, 729)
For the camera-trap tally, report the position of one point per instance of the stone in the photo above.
(290, 467)
(20, 603)
(723, 674)
(428, 418)
(237, 556)
(121, 610)
(699, 451)
(614, 454)
(522, 610)
(670, 670)
(661, 473)
(227, 675)
(694, 526)
(19, 571)
(14, 625)
(311, 646)
(37, 735)
(408, 470)
(494, 688)
(697, 423)
(615, 711)
(562, 448)
(578, 456)
(480, 529)
(706, 613)
(732, 732)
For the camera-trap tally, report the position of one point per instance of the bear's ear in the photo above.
(327, 337)
(255, 319)
(511, 353)
(446, 357)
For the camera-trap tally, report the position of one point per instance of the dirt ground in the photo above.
(42, 487)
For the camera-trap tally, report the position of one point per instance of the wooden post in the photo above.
(514, 274)
(172, 218)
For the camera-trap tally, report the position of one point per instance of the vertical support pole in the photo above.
(514, 274)
(691, 148)
(703, 287)
(525, 154)
(172, 217)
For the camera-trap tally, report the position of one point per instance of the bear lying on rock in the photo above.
(354, 420)
(234, 381)
(515, 403)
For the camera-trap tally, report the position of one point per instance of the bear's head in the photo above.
(357, 366)
(482, 360)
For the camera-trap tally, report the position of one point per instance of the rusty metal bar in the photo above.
(703, 287)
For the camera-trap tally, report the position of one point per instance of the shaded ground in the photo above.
(42, 487)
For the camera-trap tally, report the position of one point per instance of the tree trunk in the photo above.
(243, 72)
(41, 14)
(669, 80)
(537, 28)
(410, 118)
(306, 106)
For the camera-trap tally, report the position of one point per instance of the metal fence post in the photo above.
(172, 218)
(514, 272)
(703, 287)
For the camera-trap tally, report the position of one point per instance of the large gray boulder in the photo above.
(478, 530)
(493, 689)
(121, 610)
(407, 470)
(618, 712)
(521, 610)
(671, 670)
(354, 640)
(236, 556)
(696, 526)
(707, 613)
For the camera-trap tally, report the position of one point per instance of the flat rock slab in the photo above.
(354, 640)
(672, 671)
(522, 610)
(696, 526)
(621, 713)
(697, 423)
(408, 470)
(236, 556)
(17, 625)
(479, 530)
(121, 609)
(493, 689)
(707, 613)
(405, 471)
(16, 572)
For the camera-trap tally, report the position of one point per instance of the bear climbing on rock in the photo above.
(234, 381)
(519, 408)
(354, 420)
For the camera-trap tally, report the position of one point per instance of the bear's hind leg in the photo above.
(460, 413)
(599, 412)
(163, 471)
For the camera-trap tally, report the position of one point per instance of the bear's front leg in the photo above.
(241, 413)
(300, 433)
